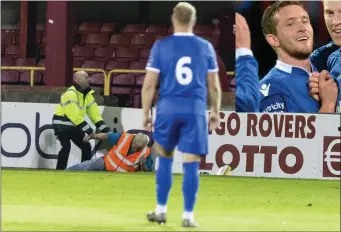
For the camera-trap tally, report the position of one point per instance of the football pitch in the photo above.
(103, 201)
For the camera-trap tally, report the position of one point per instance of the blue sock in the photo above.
(164, 179)
(190, 184)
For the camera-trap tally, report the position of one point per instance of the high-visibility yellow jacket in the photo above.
(73, 106)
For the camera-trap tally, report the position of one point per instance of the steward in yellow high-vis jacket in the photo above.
(69, 119)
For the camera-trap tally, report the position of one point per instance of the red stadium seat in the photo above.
(121, 90)
(140, 79)
(123, 79)
(77, 63)
(105, 53)
(134, 29)
(144, 53)
(95, 76)
(7, 61)
(25, 78)
(89, 27)
(97, 39)
(138, 65)
(99, 64)
(116, 65)
(142, 41)
(96, 79)
(9, 77)
(41, 63)
(25, 62)
(127, 54)
(7, 37)
(108, 27)
(119, 40)
(202, 30)
(159, 37)
(156, 29)
(83, 52)
(12, 50)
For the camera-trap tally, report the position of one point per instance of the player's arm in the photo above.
(151, 79)
(319, 57)
(247, 81)
(213, 82)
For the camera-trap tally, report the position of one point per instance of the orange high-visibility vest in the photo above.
(117, 159)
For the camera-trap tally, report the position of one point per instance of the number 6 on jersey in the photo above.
(184, 75)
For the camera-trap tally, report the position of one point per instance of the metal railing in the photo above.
(106, 74)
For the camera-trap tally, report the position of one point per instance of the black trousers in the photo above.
(76, 136)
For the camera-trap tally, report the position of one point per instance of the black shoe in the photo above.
(189, 223)
(159, 218)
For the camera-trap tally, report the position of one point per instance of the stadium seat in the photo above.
(119, 41)
(202, 30)
(138, 65)
(142, 41)
(9, 77)
(25, 78)
(89, 27)
(144, 53)
(127, 54)
(7, 61)
(116, 65)
(108, 27)
(121, 90)
(159, 37)
(95, 77)
(97, 39)
(25, 62)
(12, 50)
(2, 50)
(216, 31)
(99, 64)
(123, 79)
(134, 29)
(77, 63)
(156, 29)
(104, 53)
(83, 53)
(7, 37)
(140, 79)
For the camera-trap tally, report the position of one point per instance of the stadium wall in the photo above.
(259, 145)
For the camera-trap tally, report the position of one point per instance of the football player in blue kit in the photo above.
(328, 57)
(185, 66)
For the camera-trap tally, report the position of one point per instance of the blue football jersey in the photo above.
(334, 68)
(328, 57)
(182, 61)
(285, 89)
(247, 81)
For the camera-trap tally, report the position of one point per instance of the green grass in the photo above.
(97, 201)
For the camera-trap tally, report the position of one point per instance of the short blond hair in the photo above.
(141, 140)
(184, 13)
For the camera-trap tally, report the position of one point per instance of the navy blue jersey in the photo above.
(285, 89)
(182, 61)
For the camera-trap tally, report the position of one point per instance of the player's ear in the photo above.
(272, 40)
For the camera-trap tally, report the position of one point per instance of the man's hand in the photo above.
(243, 37)
(213, 121)
(314, 85)
(88, 137)
(147, 123)
(328, 91)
